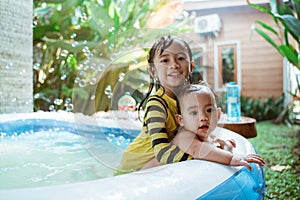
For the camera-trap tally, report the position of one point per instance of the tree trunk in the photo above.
(16, 86)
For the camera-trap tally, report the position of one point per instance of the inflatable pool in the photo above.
(185, 180)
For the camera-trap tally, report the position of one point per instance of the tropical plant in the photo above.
(287, 18)
(82, 48)
(286, 15)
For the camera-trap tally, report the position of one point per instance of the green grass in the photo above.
(279, 145)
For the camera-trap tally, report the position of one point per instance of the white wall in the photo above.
(16, 86)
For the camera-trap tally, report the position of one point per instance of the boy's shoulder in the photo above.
(182, 133)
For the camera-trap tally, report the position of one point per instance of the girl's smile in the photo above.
(172, 67)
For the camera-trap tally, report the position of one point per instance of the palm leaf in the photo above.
(260, 8)
(267, 37)
(289, 53)
(292, 24)
(266, 27)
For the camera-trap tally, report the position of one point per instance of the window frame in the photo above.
(203, 49)
(218, 64)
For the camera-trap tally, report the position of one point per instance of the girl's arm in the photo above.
(189, 143)
(155, 121)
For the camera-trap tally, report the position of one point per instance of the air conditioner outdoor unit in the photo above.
(208, 24)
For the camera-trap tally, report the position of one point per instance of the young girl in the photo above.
(198, 118)
(170, 66)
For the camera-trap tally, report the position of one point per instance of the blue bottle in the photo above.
(233, 104)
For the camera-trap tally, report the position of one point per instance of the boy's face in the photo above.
(199, 113)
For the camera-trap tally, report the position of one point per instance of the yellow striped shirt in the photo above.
(159, 125)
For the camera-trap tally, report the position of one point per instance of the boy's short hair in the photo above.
(189, 88)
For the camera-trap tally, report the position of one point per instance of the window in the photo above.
(199, 58)
(227, 64)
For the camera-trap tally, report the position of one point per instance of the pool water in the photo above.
(34, 156)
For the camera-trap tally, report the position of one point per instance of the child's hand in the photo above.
(244, 160)
(227, 145)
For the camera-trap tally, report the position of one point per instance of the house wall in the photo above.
(16, 94)
(261, 64)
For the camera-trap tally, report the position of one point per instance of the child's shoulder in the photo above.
(157, 99)
(182, 133)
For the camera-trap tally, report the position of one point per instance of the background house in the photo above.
(231, 52)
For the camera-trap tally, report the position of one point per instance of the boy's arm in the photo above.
(189, 143)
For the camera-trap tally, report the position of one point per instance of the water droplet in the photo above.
(52, 108)
(86, 67)
(64, 53)
(110, 95)
(75, 44)
(58, 101)
(93, 81)
(121, 76)
(127, 42)
(77, 79)
(93, 97)
(107, 89)
(69, 107)
(51, 70)
(81, 73)
(86, 49)
(63, 77)
(111, 46)
(111, 29)
(105, 41)
(9, 65)
(113, 56)
(82, 83)
(102, 66)
(36, 96)
(68, 100)
(135, 61)
(36, 66)
(74, 35)
(86, 61)
(140, 35)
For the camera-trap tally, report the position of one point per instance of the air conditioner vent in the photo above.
(208, 24)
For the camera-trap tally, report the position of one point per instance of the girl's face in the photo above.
(199, 113)
(172, 67)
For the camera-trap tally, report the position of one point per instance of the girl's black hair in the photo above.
(158, 47)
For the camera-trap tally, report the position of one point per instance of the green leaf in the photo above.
(292, 24)
(266, 27)
(298, 61)
(100, 19)
(273, 6)
(41, 11)
(289, 53)
(39, 32)
(80, 92)
(285, 9)
(54, 1)
(69, 4)
(65, 90)
(296, 6)
(47, 91)
(69, 46)
(260, 8)
(267, 37)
